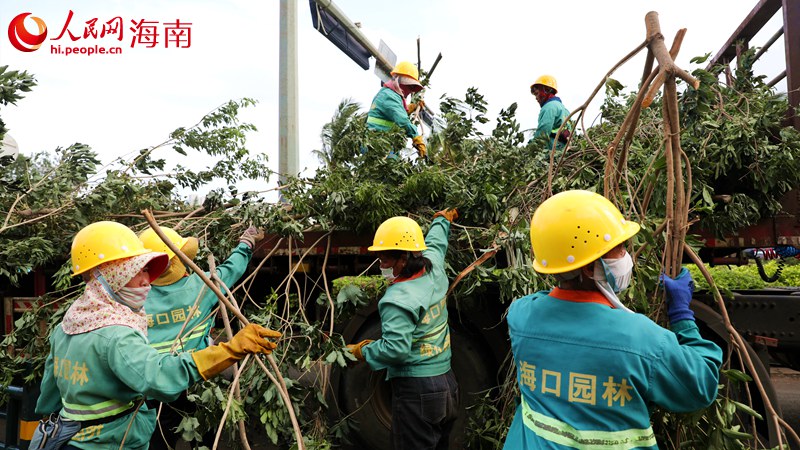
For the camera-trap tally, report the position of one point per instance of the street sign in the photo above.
(339, 34)
(384, 50)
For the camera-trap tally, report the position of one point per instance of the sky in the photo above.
(122, 103)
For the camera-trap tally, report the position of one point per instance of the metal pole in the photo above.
(337, 13)
(288, 148)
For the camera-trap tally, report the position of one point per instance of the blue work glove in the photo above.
(679, 294)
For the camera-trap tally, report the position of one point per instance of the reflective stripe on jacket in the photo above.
(99, 410)
(562, 433)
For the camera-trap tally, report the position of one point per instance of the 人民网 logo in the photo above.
(23, 40)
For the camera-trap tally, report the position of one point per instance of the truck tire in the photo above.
(366, 396)
(712, 327)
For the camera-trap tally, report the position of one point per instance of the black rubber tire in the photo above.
(366, 396)
(712, 327)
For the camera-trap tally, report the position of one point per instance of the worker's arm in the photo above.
(49, 400)
(394, 346)
(437, 240)
(686, 372)
(234, 267)
(159, 376)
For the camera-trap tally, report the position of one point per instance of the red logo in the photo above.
(21, 39)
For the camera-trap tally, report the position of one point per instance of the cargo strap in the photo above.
(563, 433)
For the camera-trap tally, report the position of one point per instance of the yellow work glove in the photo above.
(251, 236)
(251, 339)
(413, 106)
(355, 349)
(420, 146)
(449, 214)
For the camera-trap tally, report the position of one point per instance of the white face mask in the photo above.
(612, 275)
(616, 272)
(388, 273)
(133, 297)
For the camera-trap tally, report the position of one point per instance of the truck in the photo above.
(481, 351)
(766, 318)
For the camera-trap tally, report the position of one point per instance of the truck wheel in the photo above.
(713, 328)
(366, 396)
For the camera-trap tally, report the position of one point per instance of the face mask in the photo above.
(616, 271)
(388, 273)
(612, 275)
(133, 297)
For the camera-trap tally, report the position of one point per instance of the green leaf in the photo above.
(737, 375)
(747, 409)
(331, 357)
(737, 434)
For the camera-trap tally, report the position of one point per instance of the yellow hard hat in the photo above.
(546, 80)
(573, 228)
(151, 240)
(102, 242)
(398, 233)
(406, 68)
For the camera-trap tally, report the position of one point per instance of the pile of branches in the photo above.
(662, 158)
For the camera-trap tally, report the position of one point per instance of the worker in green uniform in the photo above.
(552, 114)
(415, 337)
(100, 367)
(170, 327)
(389, 105)
(588, 369)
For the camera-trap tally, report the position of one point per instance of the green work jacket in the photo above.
(167, 307)
(103, 373)
(387, 110)
(588, 374)
(415, 336)
(551, 116)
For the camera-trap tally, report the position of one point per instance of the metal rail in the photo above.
(752, 24)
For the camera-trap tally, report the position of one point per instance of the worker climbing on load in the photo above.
(553, 113)
(100, 368)
(589, 369)
(173, 296)
(389, 105)
(415, 342)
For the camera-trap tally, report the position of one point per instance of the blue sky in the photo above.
(122, 103)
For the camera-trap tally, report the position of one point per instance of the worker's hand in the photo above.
(450, 214)
(413, 106)
(251, 339)
(422, 150)
(251, 236)
(679, 294)
(355, 349)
